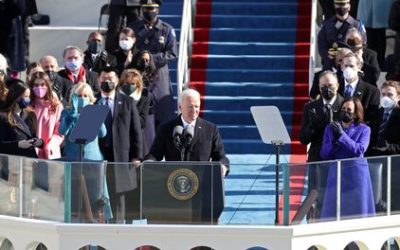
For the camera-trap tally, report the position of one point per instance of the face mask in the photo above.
(349, 73)
(94, 47)
(82, 102)
(52, 75)
(143, 65)
(73, 65)
(24, 102)
(387, 103)
(149, 16)
(128, 89)
(107, 86)
(341, 11)
(126, 44)
(40, 92)
(327, 93)
(346, 116)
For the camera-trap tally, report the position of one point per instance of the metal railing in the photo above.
(185, 45)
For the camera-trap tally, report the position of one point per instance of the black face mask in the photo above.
(327, 93)
(149, 16)
(94, 47)
(346, 116)
(107, 86)
(52, 75)
(128, 89)
(342, 11)
(143, 66)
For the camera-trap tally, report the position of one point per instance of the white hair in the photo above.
(3, 63)
(188, 92)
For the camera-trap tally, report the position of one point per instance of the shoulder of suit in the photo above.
(206, 123)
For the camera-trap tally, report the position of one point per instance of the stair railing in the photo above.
(185, 45)
(312, 62)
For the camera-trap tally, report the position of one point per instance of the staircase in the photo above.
(251, 53)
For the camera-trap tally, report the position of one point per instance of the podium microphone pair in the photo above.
(182, 138)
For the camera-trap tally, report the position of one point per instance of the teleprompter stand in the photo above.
(272, 129)
(86, 130)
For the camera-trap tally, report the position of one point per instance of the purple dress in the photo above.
(357, 198)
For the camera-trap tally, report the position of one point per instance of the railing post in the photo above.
(389, 185)
(338, 188)
(67, 192)
(312, 42)
(20, 184)
(286, 193)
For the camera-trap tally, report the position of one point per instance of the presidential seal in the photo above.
(182, 184)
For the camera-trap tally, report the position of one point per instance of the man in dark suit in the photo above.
(122, 142)
(75, 71)
(385, 139)
(206, 144)
(96, 58)
(61, 86)
(352, 85)
(316, 115)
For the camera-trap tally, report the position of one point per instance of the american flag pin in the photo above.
(119, 102)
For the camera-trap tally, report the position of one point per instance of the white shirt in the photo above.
(111, 101)
(185, 124)
(331, 102)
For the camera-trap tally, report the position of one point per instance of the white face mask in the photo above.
(126, 44)
(349, 73)
(387, 102)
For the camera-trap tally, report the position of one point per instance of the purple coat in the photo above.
(357, 198)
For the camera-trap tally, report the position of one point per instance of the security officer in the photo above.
(334, 29)
(159, 39)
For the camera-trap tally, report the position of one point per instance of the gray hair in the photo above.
(188, 92)
(71, 47)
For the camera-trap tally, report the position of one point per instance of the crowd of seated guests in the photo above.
(351, 114)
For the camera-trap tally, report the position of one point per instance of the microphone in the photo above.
(188, 133)
(176, 135)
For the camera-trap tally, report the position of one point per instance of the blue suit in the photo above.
(356, 190)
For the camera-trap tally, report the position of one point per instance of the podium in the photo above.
(181, 192)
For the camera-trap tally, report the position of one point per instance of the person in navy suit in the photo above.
(206, 144)
(122, 143)
(344, 139)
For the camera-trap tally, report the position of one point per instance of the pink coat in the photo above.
(47, 129)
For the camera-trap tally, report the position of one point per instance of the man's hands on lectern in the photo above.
(224, 170)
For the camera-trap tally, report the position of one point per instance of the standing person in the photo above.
(3, 74)
(348, 138)
(122, 144)
(48, 110)
(126, 52)
(385, 140)
(394, 24)
(119, 10)
(206, 144)
(32, 69)
(11, 34)
(159, 39)
(328, 9)
(374, 15)
(75, 71)
(316, 115)
(131, 84)
(61, 86)
(96, 57)
(82, 95)
(18, 122)
(353, 85)
(334, 29)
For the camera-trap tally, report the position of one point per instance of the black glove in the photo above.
(103, 56)
(336, 129)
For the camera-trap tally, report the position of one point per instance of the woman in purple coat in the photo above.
(348, 138)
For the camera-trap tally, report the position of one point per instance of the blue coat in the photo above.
(356, 190)
(374, 13)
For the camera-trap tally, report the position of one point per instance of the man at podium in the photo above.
(189, 137)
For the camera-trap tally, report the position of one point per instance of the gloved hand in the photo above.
(37, 142)
(336, 129)
(104, 56)
(74, 101)
(24, 144)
